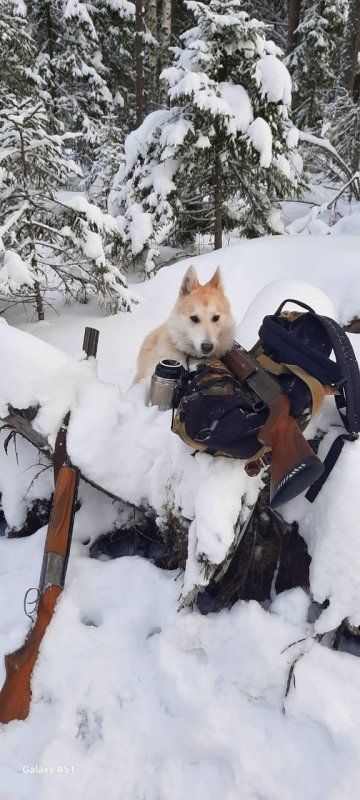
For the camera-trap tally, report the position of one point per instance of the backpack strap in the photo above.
(348, 399)
(349, 384)
(329, 462)
(316, 388)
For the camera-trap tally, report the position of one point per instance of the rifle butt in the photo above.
(15, 696)
(294, 465)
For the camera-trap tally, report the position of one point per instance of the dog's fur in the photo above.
(180, 336)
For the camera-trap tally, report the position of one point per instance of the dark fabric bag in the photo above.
(217, 414)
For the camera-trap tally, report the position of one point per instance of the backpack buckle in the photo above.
(341, 383)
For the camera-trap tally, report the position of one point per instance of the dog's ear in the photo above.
(190, 281)
(216, 281)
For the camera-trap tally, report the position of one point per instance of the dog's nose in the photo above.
(207, 347)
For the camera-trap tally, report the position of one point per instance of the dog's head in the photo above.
(201, 323)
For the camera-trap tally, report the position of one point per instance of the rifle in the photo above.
(294, 465)
(15, 696)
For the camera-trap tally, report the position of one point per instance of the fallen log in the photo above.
(206, 511)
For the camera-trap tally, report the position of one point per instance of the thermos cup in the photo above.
(164, 382)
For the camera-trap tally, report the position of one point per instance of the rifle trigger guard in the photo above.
(34, 603)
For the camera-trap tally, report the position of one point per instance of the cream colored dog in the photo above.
(200, 324)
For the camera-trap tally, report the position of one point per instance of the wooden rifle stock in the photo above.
(294, 465)
(15, 696)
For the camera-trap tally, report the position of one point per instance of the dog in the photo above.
(201, 324)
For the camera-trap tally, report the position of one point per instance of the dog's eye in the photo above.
(216, 318)
(194, 318)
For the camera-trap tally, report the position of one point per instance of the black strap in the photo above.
(329, 463)
(349, 384)
(344, 374)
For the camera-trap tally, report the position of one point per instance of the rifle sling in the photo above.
(316, 388)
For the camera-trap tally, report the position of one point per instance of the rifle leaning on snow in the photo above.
(294, 465)
(15, 696)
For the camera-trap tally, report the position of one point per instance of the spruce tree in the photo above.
(71, 65)
(314, 62)
(273, 13)
(114, 23)
(61, 239)
(17, 51)
(220, 157)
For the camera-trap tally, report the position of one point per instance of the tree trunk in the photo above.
(294, 19)
(166, 19)
(50, 36)
(39, 302)
(139, 26)
(351, 47)
(153, 56)
(218, 219)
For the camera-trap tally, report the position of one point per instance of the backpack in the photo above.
(217, 414)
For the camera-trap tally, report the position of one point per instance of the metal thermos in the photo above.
(163, 383)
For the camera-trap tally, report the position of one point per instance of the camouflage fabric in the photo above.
(218, 414)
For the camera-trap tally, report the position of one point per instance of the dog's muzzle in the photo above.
(207, 347)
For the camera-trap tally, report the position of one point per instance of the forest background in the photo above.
(134, 133)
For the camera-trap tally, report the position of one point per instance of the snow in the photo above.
(135, 142)
(132, 698)
(274, 79)
(174, 134)
(292, 137)
(240, 108)
(347, 225)
(260, 136)
(283, 165)
(93, 214)
(125, 8)
(14, 275)
(311, 224)
(337, 533)
(140, 227)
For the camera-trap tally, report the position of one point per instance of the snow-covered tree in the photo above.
(274, 13)
(70, 63)
(349, 77)
(314, 61)
(61, 241)
(342, 127)
(166, 25)
(114, 22)
(221, 155)
(152, 10)
(17, 51)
